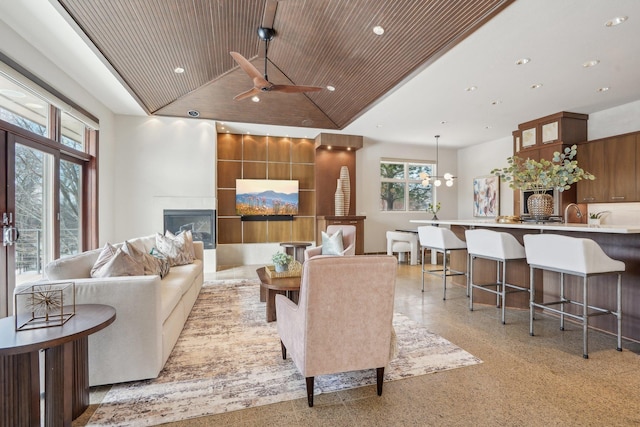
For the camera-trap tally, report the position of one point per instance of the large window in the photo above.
(401, 188)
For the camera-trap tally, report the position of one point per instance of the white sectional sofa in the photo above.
(150, 312)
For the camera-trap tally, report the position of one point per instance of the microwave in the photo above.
(525, 194)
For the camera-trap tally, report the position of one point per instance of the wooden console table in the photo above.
(66, 376)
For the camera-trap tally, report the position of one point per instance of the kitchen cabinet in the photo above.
(560, 128)
(614, 162)
(322, 222)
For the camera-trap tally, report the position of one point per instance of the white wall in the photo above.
(614, 121)
(368, 189)
(479, 160)
(162, 163)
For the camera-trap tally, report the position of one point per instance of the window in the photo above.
(401, 188)
(23, 108)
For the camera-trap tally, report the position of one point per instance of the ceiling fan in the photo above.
(261, 82)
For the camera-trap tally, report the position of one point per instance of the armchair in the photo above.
(343, 319)
(348, 241)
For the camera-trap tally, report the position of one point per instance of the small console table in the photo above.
(66, 376)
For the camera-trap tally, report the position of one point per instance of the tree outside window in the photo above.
(401, 188)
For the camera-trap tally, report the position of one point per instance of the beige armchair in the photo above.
(348, 241)
(343, 319)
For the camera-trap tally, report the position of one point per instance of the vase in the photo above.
(346, 188)
(540, 205)
(594, 221)
(339, 200)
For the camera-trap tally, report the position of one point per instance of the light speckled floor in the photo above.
(524, 381)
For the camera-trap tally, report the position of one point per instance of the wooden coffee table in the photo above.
(271, 286)
(66, 376)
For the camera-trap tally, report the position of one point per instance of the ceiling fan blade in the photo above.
(247, 94)
(248, 68)
(295, 88)
(270, 7)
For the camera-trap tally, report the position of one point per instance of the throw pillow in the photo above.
(151, 266)
(174, 248)
(332, 245)
(162, 261)
(110, 264)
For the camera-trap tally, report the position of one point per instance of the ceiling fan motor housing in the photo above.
(266, 34)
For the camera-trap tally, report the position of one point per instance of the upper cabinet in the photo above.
(562, 128)
(615, 162)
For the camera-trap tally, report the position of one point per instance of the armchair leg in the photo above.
(284, 350)
(310, 391)
(380, 373)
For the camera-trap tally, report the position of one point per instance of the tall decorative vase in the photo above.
(540, 205)
(346, 188)
(339, 199)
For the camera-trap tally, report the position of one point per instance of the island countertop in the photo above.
(551, 226)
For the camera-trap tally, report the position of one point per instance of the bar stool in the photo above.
(498, 247)
(577, 257)
(440, 240)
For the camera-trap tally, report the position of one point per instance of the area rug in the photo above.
(228, 358)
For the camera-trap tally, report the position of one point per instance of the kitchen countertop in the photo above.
(604, 228)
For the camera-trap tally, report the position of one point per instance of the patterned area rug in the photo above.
(228, 358)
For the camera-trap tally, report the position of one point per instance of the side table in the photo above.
(295, 249)
(272, 286)
(66, 376)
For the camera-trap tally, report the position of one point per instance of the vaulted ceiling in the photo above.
(320, 43)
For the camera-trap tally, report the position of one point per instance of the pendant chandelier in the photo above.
(437, 180)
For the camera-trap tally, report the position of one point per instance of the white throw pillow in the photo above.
(175, 248)
(332, 245)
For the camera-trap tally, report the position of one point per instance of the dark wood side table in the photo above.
(295, 249)
(66, 376)
(289, 286)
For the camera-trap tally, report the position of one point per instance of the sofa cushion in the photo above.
(183, 275)
(114, 262)
(74, 267)
(176, 248)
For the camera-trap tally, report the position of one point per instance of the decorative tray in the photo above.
(507, 219)
(295, 270)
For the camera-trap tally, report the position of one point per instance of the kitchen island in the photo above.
(621, 242)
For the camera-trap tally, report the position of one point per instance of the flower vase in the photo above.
(281, 268)
(346, 188)
(594, 221)
(540, 205)
(339, 200)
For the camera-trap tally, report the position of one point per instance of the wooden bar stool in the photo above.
(440, 240)
(577, 257)
(498, 247)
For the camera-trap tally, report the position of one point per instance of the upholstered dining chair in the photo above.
(343, 319)
(348, 246)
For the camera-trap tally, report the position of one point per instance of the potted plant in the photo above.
(281, 261)
(434, 210)
(540, 176)
(596, 217)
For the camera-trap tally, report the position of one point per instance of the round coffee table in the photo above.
(66, 376)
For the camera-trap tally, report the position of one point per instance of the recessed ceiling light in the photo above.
(615, 21)
(331, 88)
(443, 122)
(471, 88)
(496, 102)
(591, 63)
(523, 61)
(378, 30)
(536, 86)
(193, 113)
(255, 99)
(487, 127)
(379, 125)
(222, 127)
(178, 70)
(12, 93)
(603, 89)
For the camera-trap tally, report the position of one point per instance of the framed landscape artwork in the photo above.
(486, 196)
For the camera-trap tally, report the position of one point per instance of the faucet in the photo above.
(566, 212)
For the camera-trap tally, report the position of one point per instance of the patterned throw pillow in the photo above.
(162, 261)
(332, 245)
(150, 264)
(114, 263)
(175, 248)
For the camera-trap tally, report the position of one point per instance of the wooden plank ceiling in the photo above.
(317, 43)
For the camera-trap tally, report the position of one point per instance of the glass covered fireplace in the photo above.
(201, 222)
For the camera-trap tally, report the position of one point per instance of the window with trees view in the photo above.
(401, 188)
